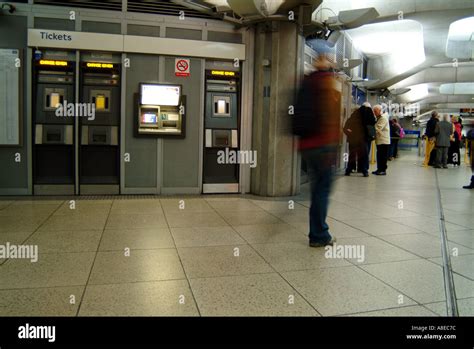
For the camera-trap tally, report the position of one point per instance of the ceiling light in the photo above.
(457, 88)
(400, 41)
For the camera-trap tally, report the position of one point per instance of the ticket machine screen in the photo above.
(155, 94)
(149, 118)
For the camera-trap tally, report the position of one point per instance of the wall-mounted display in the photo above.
(161, 110)
(9, 97)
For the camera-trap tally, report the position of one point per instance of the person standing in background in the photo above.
(395, 130)
(382, 139)
(368, 121)
(430, 137)
(470, 138)
(443, 132)
(454, 153)
(356, 138)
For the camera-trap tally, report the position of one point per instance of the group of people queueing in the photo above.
(365, 125)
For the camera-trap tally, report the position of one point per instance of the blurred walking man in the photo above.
(318, 124)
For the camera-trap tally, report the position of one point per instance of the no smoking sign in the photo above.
(182, 67)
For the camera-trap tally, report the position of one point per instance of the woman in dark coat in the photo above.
(356, 133)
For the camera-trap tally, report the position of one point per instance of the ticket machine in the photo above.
(53, 126)
(221, 125)
(99, 151)
(160, 111)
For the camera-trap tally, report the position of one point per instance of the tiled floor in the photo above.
(243, 255)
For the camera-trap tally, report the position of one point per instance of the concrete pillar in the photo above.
(279, 57)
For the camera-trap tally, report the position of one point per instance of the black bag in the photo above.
(303, 121)
(370, 132)
(470, 134)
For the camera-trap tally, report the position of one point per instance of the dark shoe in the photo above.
(470, 186)
(366, 174)
(436, 166)
(383, 173)
(320, 244)
(375, 172)
(445, 166)
(347, 173)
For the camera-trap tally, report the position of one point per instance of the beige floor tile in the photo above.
(249, 295)
(92, 221)
(51, 269)
(56, 301)
(194, 219)
(138, 238)
(185, 205)
(373, 250)
(249, 217)
(424, 245)
(10, 224)
(465, 307)
(206, 236)
(201, 262)
(19, 211)
(461, 264)
(296, 256)
(279, 205)
(382, 226)
(157, 298)
(142, 265)
(138, 206)
(66, 240)
(130, 221)
(420, 280)
(344, 290)
(234, 205)
(269, 233)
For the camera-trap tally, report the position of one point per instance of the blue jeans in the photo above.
(319, 162)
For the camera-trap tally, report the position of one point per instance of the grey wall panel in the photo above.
(101, 27)
(141, 171)
(179, 33)
(143, 30)
(13, 174)
(234, 38)
(181, 156)
(54, 23)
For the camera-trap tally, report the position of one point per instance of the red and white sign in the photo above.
(182, 67)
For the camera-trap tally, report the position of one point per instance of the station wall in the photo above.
(14, 175)
(156, 165)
